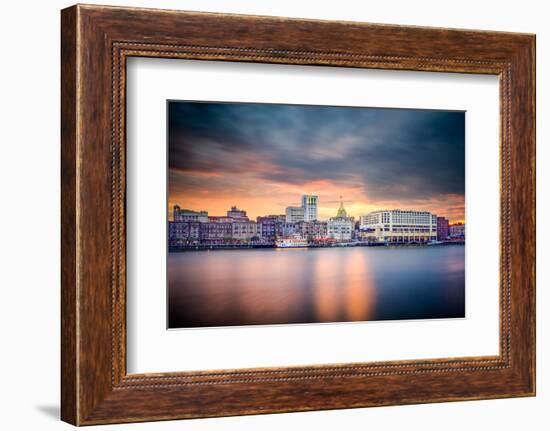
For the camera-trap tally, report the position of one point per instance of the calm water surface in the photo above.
(279, 286)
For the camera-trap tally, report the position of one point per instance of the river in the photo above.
(289, 286)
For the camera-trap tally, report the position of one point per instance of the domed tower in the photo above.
(342, 211)
(340, 227)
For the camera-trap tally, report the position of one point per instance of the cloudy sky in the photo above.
(263, 157)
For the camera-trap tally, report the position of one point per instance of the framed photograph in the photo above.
(264, 215)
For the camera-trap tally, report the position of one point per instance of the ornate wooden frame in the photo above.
(95, 43)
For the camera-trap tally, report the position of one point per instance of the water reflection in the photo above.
(325, 289)
(360, 295)
(255, 287)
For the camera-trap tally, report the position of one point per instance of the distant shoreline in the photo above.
(272, 247)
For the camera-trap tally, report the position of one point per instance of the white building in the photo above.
(294, 214)
(341, 226)
(309, 204)
(237, 214)
(402, 226)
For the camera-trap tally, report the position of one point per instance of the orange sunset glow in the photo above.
(263, 158)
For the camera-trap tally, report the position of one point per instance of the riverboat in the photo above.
(294, 242)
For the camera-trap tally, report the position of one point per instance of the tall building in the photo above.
(442, 228)
(309, 204)
(294, 214)
(180, 214)
(341, 226)
(402, 226)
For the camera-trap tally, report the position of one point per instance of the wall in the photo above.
(29, 219)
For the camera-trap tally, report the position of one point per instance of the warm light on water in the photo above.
(275, 286)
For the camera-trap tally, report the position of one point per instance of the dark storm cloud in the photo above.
(390, 153)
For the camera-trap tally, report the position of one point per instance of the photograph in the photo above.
(301, 214)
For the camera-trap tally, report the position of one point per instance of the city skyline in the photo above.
(263, 157)
(334, 212)
(300, 227)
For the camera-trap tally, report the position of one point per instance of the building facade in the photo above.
(314, 230)
(341, 227)
(216, 233)
(220, 219)
(237, 214)
(183, 233)
(246, 231)
(457, 231)
(271, 226)
(294, 214)
(180, 215)
(289, 229)
(399, 226)
(309, 204)
(442, 229)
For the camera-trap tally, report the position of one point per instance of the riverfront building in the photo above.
(191, 228)
(180, 214)
(341, 227)
(457, 231)
(246, 231)
(271, 226)
(183, 233)
(214, 233)
(442, 229)
(289, 229)
(220, 219)
(237, 214)
(399, 226)
(314, 230)
(295, 214)
(309, 204)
